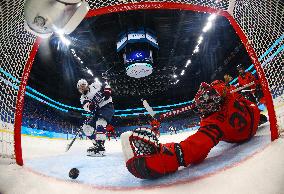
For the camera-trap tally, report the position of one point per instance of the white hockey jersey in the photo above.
(95, 94)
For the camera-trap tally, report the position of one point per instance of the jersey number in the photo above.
(237, 120)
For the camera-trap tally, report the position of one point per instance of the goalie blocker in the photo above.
(235, 121)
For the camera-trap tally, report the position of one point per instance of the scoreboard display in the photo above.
(138, 56)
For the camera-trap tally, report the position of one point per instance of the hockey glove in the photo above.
(107, 92)
(90, 106)
(146, 158)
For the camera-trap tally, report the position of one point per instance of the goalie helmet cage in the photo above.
(259, 24)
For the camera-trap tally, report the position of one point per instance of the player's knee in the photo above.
(88, 129)
(101, 122)
(101, 129)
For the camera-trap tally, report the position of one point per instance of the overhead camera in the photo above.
(45, 17)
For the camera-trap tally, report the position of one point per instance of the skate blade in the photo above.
(101, 154)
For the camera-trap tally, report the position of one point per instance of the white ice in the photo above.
(254, 167)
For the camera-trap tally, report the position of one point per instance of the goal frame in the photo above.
(148, 6)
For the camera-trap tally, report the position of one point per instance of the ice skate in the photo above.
(98, 150)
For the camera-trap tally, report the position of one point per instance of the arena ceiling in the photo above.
(57, 67)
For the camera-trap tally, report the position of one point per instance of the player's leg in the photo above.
(104, 115)
(89, 129)
(99, 139)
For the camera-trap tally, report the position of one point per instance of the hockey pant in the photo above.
(95, 127)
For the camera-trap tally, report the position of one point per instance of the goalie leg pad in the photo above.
(145, 157)
(138, 167)
(155, 165)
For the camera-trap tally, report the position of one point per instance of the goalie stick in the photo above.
(171, 113)
(148, 108)
(178, 111)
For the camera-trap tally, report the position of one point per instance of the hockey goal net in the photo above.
(258, 23)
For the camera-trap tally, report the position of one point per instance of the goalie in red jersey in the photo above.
(223, 118)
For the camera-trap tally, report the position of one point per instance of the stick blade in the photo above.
(148, 108)
(67, 147)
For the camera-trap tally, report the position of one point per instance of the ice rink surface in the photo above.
(252, 167)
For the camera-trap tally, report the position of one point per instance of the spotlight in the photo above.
(200, 40)
(207, 27)
(90, 72)
(212, 17)
(188, 63)
(64, 40)
(196, 50)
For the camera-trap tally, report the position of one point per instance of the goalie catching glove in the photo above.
(146, 158)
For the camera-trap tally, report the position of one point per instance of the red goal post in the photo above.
(255, 23)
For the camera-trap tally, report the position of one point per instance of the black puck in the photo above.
(74, 173)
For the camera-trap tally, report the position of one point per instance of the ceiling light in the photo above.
(174, 76)
(64, 40)
(90, 72)
(200, 40)
(196, 50)
(212, 17)
(188, 62)
(207, 27)
(182, 72)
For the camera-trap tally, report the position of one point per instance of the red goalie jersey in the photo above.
(231, 119)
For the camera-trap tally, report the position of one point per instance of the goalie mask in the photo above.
(207, 100)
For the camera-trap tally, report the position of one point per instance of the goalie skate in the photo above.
(96, 151)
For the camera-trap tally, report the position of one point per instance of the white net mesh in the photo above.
(263, 24)
(15, 44)
(261, 21)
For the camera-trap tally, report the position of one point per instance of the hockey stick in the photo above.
(243, 87)
(73, 140)
(171, 113)
(247, 90)
(148, 108)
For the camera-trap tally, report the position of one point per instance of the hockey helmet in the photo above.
(82, 82)
(240, 66)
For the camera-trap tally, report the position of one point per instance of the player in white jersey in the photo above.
(173, 130)
(96, 99)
